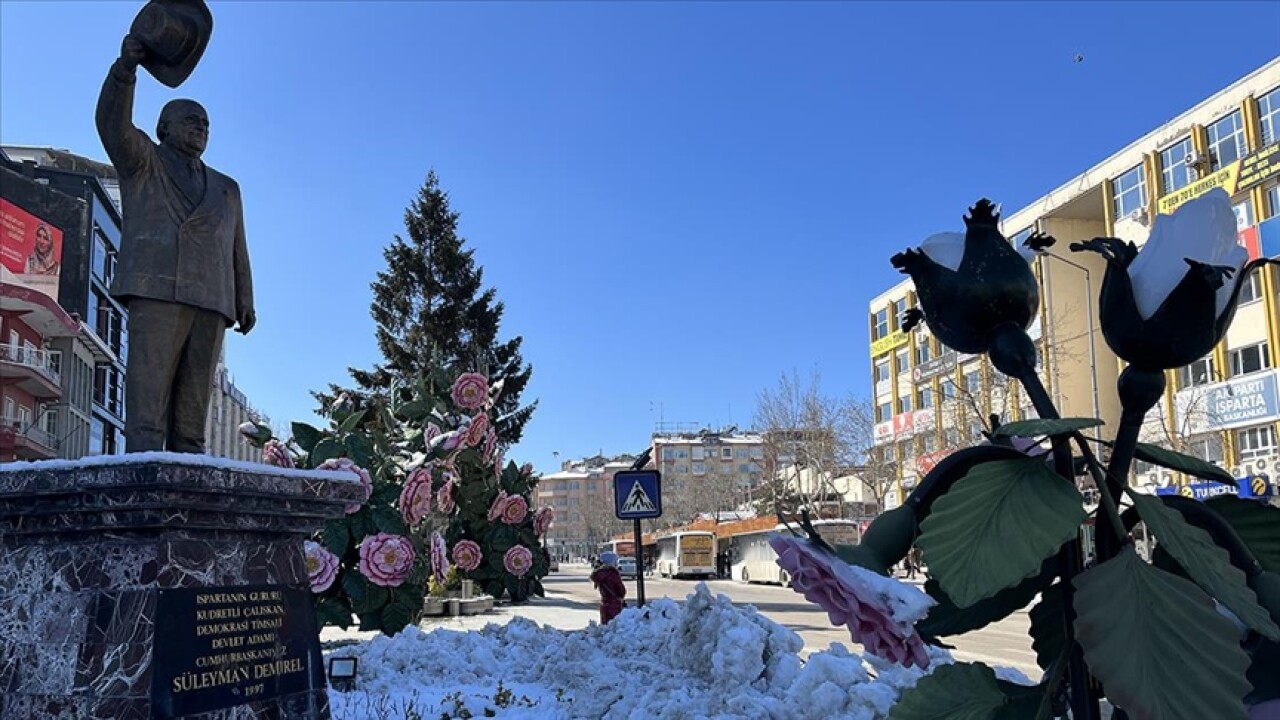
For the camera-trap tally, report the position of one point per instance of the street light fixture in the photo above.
(1093, 355)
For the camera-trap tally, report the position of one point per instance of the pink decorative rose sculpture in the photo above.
(386, 559)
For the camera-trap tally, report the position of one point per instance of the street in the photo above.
(1003, 643)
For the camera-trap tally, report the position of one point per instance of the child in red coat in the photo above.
(608, 581)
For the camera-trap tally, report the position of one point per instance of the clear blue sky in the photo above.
(677, 202)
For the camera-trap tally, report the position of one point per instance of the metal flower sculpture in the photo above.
(970, 283)
(1168, 304)
(999, 524)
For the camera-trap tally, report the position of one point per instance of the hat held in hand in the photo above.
(175, 33)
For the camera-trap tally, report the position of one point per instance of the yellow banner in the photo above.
(892, 341)
(1225, 178)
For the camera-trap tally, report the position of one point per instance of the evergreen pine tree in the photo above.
(430, 307)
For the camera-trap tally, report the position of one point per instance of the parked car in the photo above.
(627, 567)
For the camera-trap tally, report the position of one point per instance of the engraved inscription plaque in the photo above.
(221, 647)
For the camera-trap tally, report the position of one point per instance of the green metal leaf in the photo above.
(394, 619)
(963, 691)
(360, 449)
(1022, 702)
(352, 421)
(337, 537)
(305, 436)
(1178, 462)
(1042, 427)
(389, 520)
(1205, 563)
(1257, 524)
(1156, 643)
(326, 449)
(946, 619)
(1048, 627)
(997, 525)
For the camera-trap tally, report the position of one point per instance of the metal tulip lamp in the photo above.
(999, 523)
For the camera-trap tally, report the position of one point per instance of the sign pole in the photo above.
(639, 566)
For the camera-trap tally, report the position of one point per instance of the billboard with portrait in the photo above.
(30, 250)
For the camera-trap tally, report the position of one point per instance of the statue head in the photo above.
(184, 126)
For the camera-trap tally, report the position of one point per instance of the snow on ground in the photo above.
(705, 659)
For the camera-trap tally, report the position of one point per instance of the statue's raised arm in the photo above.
(125, 144)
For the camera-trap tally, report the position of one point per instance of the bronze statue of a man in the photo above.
(183, 271)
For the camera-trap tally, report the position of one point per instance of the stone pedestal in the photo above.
(109, 564)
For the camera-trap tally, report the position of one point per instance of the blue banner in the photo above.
(1254, 487)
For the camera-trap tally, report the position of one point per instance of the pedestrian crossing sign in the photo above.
(637, 494)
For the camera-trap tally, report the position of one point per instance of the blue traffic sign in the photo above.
(637, 494)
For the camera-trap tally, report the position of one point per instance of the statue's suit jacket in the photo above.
(173, 248)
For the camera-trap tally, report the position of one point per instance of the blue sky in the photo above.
(677, 202)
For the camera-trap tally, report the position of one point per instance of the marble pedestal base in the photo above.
(87, 551)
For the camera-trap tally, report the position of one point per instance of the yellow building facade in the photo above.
(1225, 408)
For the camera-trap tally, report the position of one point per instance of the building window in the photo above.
(1269, 117)
(904, 404)
(899, 309)
(902, 359)
(973, 382)
(948, 389)
(924, 351)
(1020, 237)
(1129, 192)
(882, 323)
(951, 437)
(975, 430)
(726, 453)
(699, 452)
(1206, 447)
(699, 468)
(882, 371)
(1273, 201)
(930, 443)
(884, 411)
(1200, 372)
(1226, 141)
(1256, 442)
(669, 453)
(1251, 288)
(1249, 359)
(1244, 214)
(1174, 171)
(924, 398)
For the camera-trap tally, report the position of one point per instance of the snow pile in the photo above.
(707, 659)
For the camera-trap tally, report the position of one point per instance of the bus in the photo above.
(754, 561)
(623, 548)
(687, 554)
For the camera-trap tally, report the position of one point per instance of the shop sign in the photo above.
(883, 432)
(1257, 168)
(933, 367)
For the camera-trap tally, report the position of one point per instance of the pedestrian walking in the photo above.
(608, 581)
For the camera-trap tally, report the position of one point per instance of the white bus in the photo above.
(753, 559)
(686, 554)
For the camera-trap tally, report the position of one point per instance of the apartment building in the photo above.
(582, 494)
(228, 409)
(706, 471)
(1223, 408)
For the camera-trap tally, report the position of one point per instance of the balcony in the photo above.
(34, 371)
(24, 440)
